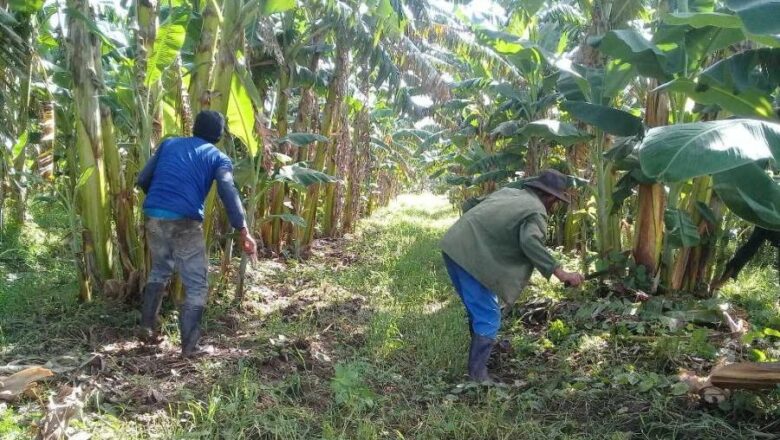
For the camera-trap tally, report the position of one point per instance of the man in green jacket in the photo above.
(492, 250)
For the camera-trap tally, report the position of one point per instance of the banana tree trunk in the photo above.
(329, 214)
(608, 225)
(308, 101)
(532, 158)
(127, 238)
(648, 238)
(360, 149)
(183, 107)
(20, 162)
(335, 97)
(575, 225)
(279, 190)
(224, 69)
(146, 18)
(3, 175)
(649, 229)
(200, 76)
(685, 271)
(83, 47)
(343, 159)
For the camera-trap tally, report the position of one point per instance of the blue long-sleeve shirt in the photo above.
(178, 177)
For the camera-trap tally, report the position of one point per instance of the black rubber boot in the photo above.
(479, 353)
(153, 296)
(189, 326)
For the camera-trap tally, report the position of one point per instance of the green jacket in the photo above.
(501, 240)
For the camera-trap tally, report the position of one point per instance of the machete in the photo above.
(598, 274)
(639, 294)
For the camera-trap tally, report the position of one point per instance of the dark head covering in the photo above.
(209, 125)
(552, 182)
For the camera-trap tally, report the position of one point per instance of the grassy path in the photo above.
(375, 343)
(366, 340)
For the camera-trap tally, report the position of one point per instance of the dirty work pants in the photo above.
(481, 304)
(179, 245)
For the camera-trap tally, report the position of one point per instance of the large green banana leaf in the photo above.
(303, 176)
(274, 6)
(167, 45)
(557, 131)
(702, 19)
(241, 115)
(751, 69)
(302, 139)
(560, 132)
(745, 25)
(630, 46)
(740, 84)
(750, 102)
(758, 16)
(735, 152)
(683, 151)
(751, 194)
(609, 119)
(681, 231)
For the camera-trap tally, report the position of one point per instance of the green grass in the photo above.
(366, 340)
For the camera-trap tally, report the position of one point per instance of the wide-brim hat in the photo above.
(552, 182)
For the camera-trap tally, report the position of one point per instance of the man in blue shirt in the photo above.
(176, 181)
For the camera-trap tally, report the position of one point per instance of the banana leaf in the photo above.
(26, 6)
(702, 19)
(560, 132)
(751, 69)
(609, 119)
(630, 46)
(683, 151)
(167, 45)
(680, 229)
(302, 139)
(241, 115)
(758, 16)
(274, 6)
(751, 194)
(302, 175)
(750, 102)
(735, 152)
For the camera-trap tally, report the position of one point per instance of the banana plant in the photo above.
(739, 154)
(696, 33)
(251, 174)
(588, 93)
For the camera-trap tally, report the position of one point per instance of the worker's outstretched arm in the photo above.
(532, 235)
(228, 193)
(230, 198)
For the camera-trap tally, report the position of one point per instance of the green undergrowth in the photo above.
(592, 366)
(367, 340)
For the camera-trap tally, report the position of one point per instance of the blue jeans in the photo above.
(481, 304)
(179, 245)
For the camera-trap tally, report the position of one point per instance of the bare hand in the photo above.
(572, 279)
(249, 245)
